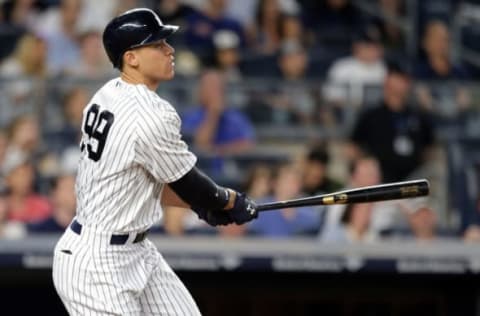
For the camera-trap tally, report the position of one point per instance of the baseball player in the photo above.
(133, 161)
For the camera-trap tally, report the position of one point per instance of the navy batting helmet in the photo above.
(132, 29)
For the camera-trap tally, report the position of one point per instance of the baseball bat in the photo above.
(374, 193)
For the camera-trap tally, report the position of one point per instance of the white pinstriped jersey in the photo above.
(131, 146)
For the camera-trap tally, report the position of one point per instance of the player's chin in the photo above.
(165, 77)
(168, 75)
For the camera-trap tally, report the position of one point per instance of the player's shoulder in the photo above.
(149, 99)
(153, 107)
(114, 93)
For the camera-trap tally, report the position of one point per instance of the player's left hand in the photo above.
(214, 217)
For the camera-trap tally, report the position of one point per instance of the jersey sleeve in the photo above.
(160, 148)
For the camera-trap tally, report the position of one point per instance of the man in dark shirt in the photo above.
(395, 133)
(441, 90)
(315, 177)
(62, 197)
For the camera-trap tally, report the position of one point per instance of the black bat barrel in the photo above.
(393, 191)
(383, 192)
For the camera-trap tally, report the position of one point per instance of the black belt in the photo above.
(115, 239)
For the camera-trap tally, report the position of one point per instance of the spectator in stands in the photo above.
(24, 138)
(315, 177)
(258, 182)
(75, 101)
(394, 132)
(293, 60)
(393, 37)
(258, 186)
(59, 27)
(273, 24)
(295, 94)
(264, 34)
(227, 54)
(93, 63)
(364, 171)
(423, 223)
(203, 24)
(286, 222)
(442, 93)
(24, 135)
(26, 67)
(24, 204)
(174, 220)
(68, 133)
(355, 223)
(62, 197)
(8, 229)
(349, 76)
(226, 59)
(94, 14)
(242, 11)
(291, 29)
(214, 126)
(331, 22)
(290, 102)
(28, 59)
(125, 5)
(471, 234)
(3, 146)
(21, 13)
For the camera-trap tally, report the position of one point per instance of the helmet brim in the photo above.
(163, 33)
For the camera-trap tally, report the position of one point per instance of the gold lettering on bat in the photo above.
(335, 199)
(341, 198)
(412, 190)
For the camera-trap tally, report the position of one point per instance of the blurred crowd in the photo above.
(243, 66)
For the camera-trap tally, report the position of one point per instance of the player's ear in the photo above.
(130, 58)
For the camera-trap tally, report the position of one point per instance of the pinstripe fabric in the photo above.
(143, 150)
(131, 147)
(100, 279)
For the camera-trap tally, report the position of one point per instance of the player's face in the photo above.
(156, 61)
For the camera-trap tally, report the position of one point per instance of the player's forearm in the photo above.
(170, 198)
(199, 191)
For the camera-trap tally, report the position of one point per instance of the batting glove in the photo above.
(214, 217)
(244, 209)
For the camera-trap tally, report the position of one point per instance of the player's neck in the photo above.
(134, 78)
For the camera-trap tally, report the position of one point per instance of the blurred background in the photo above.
(279, 99)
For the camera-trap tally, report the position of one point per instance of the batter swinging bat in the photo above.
(375, 193)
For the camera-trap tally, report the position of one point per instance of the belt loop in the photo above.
(131, 238)
(76, 227)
